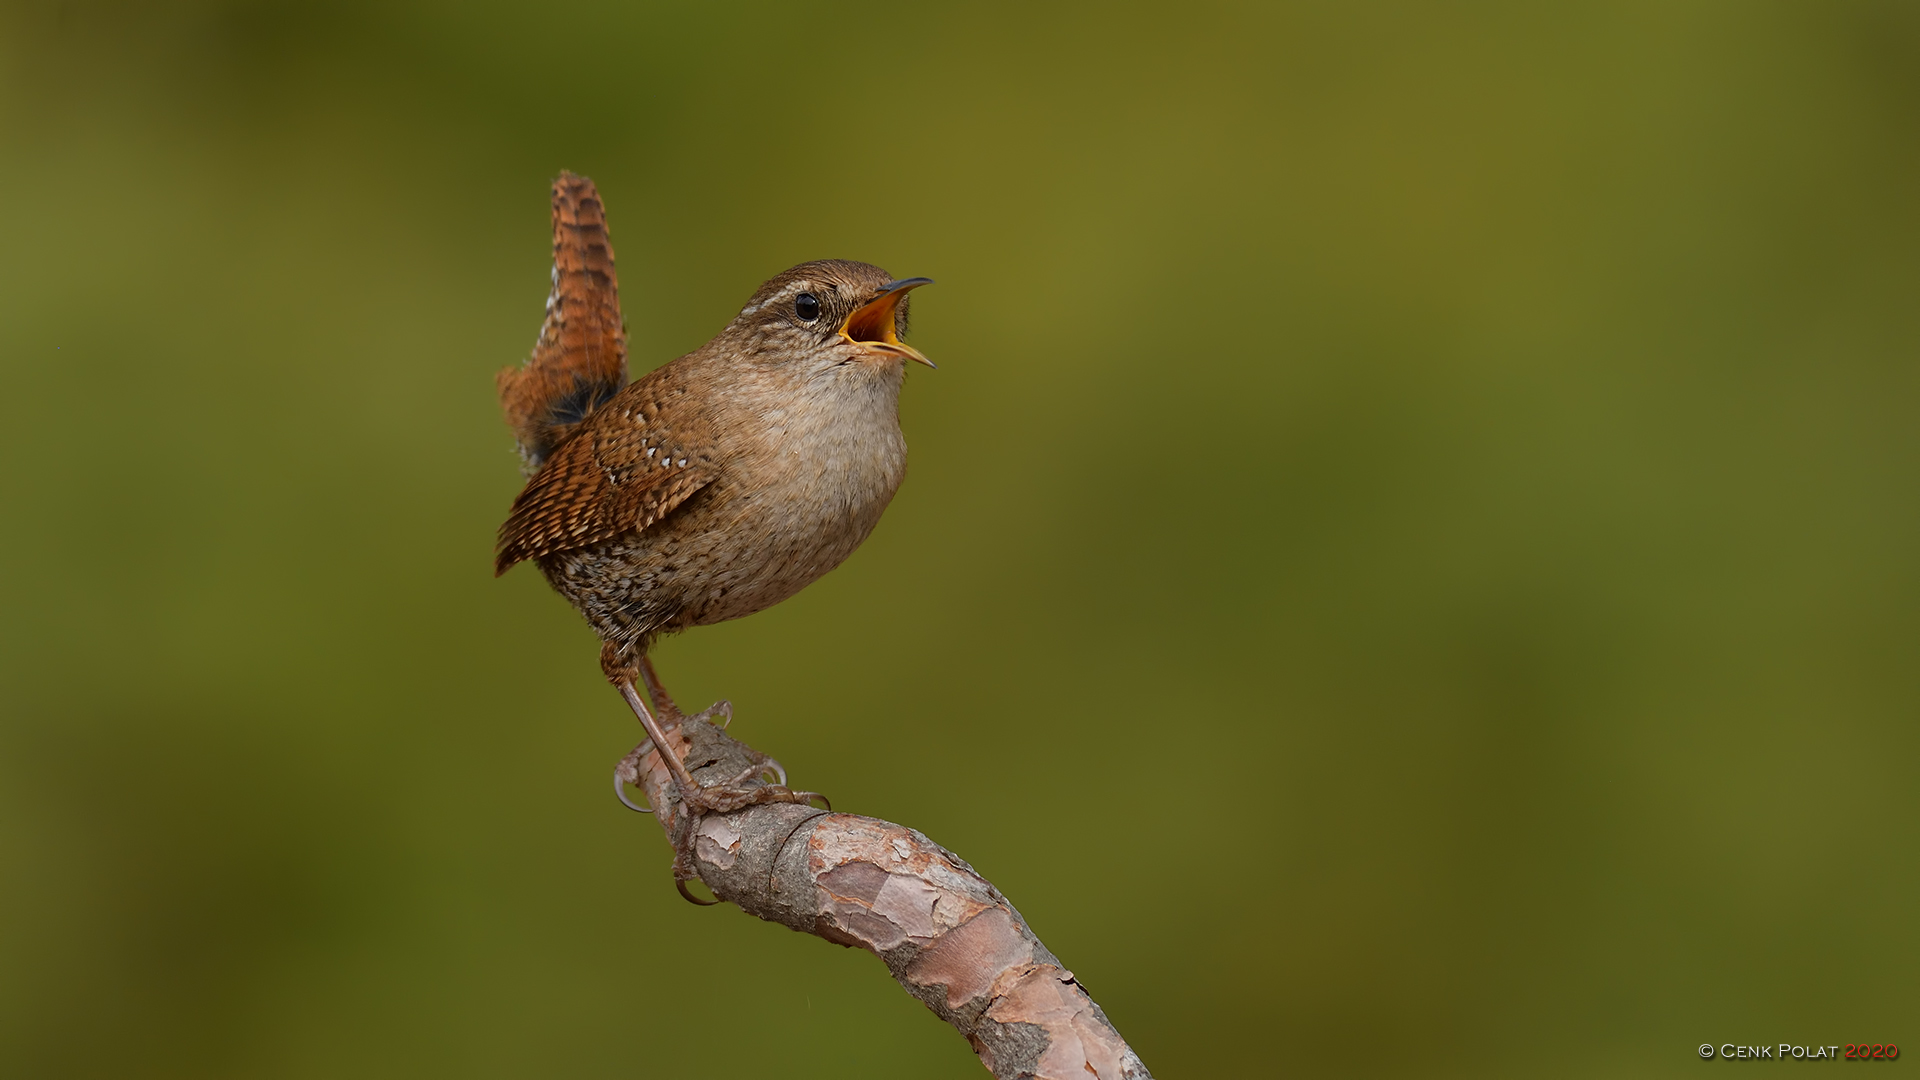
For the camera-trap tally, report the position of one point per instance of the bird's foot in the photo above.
(725, 797)
(722, 708)
(736, 793)
(767, 769)
(740, 793)
(761, 782)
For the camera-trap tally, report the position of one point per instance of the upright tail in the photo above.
(581, 358)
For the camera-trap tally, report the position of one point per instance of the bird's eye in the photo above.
(807, 306)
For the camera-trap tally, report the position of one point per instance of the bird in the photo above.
(714, 486)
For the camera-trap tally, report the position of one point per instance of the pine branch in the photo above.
(945, 933)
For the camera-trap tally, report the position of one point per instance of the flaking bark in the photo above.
(945, 933)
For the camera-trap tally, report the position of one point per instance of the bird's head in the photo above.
(823, 315)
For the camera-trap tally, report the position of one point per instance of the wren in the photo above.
(716, 485)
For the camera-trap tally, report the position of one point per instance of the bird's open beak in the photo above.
(873, 325)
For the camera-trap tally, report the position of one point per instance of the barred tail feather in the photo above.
(580, 360)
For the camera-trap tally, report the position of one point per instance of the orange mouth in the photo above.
(873, 326)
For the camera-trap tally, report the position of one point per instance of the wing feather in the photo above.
(596, 486)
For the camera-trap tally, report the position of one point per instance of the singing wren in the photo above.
(715, 486)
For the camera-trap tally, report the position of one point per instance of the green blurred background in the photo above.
(1409, 566)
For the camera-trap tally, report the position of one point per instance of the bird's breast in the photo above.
(799, 499)
(823, 472)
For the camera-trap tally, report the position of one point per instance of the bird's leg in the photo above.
(670, 714)
(657, 693)
(617, 661)
(691, 794)
(689, 788)
(733, 794)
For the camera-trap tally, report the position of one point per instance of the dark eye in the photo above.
(807, 306)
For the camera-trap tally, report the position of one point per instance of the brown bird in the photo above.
(715, 486)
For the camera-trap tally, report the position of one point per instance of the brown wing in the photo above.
(611, 479)
(580, 360)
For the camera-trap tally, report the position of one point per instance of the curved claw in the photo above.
(692, 899)
(620, 792)
(766, 767)
(723, 708)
